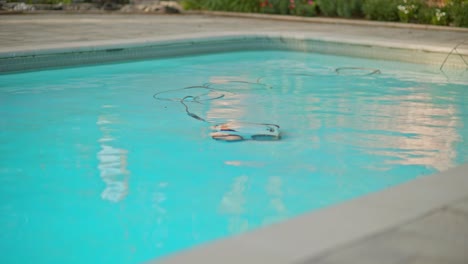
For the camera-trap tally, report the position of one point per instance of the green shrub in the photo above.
(408, 10)
(267, 7)
(192, 4)
(304, 8)
(282, 6)
(48, 2)
(327, 7)
(342, 8)
(458, 12)
(244, 5)
(382, 10)
(275, 7)
(434, 16)
(417, 11)
(439, 17)
(349, 8)
(217, 5)
(223, 5)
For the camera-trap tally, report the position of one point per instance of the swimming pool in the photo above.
(95, 169)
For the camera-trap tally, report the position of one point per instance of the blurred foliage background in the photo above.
(436, 12)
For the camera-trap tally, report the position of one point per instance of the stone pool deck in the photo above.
(45, 31)
(423, 221)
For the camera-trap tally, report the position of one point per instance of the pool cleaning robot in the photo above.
(230, 131)
(236, 131)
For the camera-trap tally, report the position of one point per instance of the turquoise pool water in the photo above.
(93, 169)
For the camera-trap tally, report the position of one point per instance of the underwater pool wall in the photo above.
(108, 52)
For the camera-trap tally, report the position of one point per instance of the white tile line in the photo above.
(34, 58)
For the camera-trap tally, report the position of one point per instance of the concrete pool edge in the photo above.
(99, 52)
(309, 237)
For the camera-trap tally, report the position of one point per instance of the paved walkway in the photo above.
(425, 221)
(27, 32)
(439, 237)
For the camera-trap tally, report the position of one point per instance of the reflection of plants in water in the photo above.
(113, 170)
(235, 204)
(228, 98)
(276, 205)
(319, 98)
(112, 163)
(233, 201)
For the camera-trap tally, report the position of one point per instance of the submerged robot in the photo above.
(236, 131)
(230, 131)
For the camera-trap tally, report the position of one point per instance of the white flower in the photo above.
(439, 14)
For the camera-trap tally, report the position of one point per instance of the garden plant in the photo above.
(442, 12)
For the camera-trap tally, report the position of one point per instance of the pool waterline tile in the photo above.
(104, 52)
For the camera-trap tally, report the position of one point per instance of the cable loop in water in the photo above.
(370, 71)
(200, 97)
(455, 49)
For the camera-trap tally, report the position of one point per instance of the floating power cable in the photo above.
(356, 71)
(458, 53)
(237, 130)
(453, 51)
(197, 99)
(205, 87)
(188, 111)
(229, 131)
